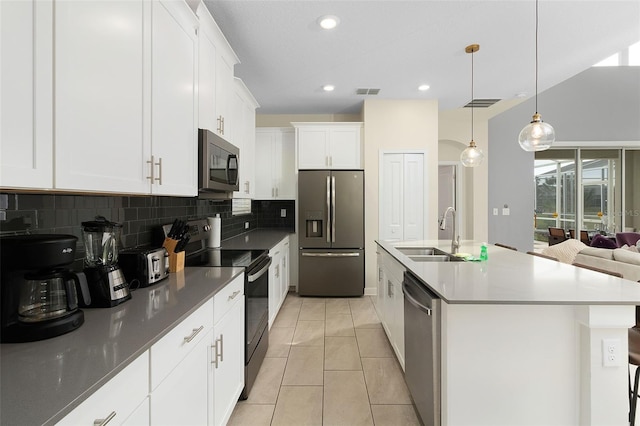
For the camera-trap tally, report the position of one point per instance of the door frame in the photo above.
(461, 211)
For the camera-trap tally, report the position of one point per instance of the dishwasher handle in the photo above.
(413, 301)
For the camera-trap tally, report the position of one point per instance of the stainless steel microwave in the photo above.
(217, 163)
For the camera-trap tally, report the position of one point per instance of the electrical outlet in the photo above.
(283, 212)
(505, 211)
(246, 225)
(611, 352)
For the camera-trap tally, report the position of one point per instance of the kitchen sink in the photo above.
(428, 254)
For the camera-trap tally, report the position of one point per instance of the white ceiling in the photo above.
(397, 45)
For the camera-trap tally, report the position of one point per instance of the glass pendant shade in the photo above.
(472, 156)
(537, 135)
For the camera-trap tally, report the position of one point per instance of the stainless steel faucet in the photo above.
(455, 240)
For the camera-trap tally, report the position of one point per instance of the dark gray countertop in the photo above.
(257, 239)
(43, 381)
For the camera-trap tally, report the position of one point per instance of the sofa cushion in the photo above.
(603, 242)
(626, 256)
(631, 248)
(598, 252)
(565, 251)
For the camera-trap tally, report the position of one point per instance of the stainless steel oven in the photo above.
(217, 163)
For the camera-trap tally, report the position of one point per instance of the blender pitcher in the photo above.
(101, 241)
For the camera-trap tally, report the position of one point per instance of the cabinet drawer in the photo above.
(119, 397)
(167, 353)
(225, 299)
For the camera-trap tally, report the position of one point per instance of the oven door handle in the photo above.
(252, 277)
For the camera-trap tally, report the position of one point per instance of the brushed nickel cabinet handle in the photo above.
(152, 166)
(159, 164)
(193, 335)
(102, 422)
(233, 296)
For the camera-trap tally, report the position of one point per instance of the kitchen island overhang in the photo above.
(522, 338)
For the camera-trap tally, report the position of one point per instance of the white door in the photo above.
(402, 185)
(446, 197)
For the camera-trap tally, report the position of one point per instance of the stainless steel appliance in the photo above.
(217, 163)
(107, 284)
(144, 266)
(331, 227)
(256, 291)
(39, 298)
(422, 348)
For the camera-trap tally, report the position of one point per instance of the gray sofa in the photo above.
(622, 260)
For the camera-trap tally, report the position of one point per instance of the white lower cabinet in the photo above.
(121, 399)
(227, 356)
(278, 277)
(390, 304)
(183, 396)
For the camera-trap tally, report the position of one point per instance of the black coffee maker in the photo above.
(39, 293)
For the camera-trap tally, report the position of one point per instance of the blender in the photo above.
(106, 281)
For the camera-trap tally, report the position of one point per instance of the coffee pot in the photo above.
(107, 284)
(39, 294)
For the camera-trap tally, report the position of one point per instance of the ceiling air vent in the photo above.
(481, 103)
(367, 91)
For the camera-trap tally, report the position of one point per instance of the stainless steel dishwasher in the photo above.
(422, 348)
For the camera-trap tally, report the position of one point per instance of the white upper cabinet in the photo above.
(26, 84)
(329, 145)
(275, 166)
(99, 88)
(174, 125)
(244, 137)
(219, 57)
(126, 97)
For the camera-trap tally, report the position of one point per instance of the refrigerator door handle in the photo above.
(329, 218)
(333, 209)
(352, 254)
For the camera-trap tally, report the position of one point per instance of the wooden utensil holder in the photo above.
(176, 260)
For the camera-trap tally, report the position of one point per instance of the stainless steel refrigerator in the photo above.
(331, 232)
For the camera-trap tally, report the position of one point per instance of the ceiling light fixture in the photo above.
(472, 156)
(328, 22)
(423, 87)
(537, 135)
(328, 87)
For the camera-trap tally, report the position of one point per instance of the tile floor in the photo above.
(329, 363)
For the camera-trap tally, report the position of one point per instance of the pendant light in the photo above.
(537, 135)
(472, 156)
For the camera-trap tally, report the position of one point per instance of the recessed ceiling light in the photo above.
(423, 87)
(328, 87)
(328, 22)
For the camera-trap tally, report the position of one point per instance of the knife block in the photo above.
(176, 260)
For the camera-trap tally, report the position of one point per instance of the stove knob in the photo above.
(206, 228)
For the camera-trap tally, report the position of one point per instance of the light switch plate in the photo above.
(495, 211)
(246, 225)
(283, 212)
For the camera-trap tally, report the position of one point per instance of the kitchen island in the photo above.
(45, 380)
(522, 338)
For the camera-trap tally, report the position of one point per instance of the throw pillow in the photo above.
(626, 256)
(603, 242)
(633, 249)
(565, 251)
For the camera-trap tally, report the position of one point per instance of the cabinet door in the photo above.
(398, 324)
(344, 148)
(174, 99)
(183, 397)
(285, 165)
(26, 83)
(119, 398)
(224, 94)
(99, 122)
(140, 417)
(228, 362)
(284, 270)
(313, 145)
(264, 188)
(206, 71)
(249, 150)
(380, 287)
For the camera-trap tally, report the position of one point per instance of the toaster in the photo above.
(144, 266)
